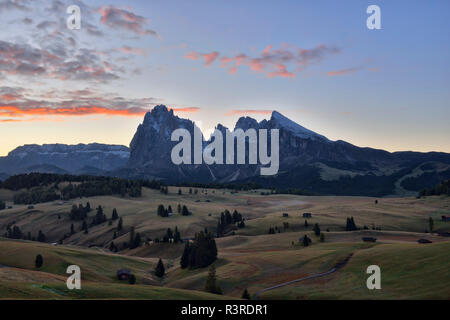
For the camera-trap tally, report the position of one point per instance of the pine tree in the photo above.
(115, 215)
(132, 279)
(185, 211)
(179, 192)
(306, 224)
(246, 295)
(39, 261)
(316, 229)
(41, 236)
(211, 282)
(184, 262)
(160, 270)
(322, 237)
(131, 241)
(177, 235)
(431, 224)
(120, 224)
(137, 241)
(350, 226)
(179, 208)
(72, 229)
(306, 241)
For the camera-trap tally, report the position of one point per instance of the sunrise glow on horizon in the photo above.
(317, 64)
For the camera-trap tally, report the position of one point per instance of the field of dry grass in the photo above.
(250, 259)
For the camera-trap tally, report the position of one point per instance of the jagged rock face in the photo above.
(151, 148)
(60, 158)
(151, 145)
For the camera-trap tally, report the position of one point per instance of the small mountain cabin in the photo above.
(123, 274)
(369, 239)
(285, 215)
(307, 215)
(445, 218)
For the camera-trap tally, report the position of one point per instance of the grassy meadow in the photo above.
(248, 258)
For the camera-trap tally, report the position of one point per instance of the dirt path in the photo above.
(314, 276)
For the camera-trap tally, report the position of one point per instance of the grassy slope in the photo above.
(250, 259)
(408, 271)
(20, 280)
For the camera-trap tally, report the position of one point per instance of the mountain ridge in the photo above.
(308, 160)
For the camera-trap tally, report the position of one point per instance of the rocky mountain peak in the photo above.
(246, 123)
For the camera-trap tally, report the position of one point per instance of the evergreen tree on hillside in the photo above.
(162, 212)
(431, 224)
(306, 224)
(316, 229)
(2, 205)
(185, 211)
(211, 285)
(120, 224)
(184, 262)
(179, 208)
(99, 217)
(137, 241)
(322, 237)
(160, 270)
(115, 215)
(131, 241)
(41, 236)
(306, 241)
(350, 225)
(246, 295)
(201, 253)
(72, 229)
(176, 236)
(39, 261)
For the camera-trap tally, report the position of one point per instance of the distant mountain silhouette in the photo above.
(308, 160)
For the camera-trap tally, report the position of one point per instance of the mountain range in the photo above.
(308, 161)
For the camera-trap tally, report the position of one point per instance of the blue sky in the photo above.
(214, 61)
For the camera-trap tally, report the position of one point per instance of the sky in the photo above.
(316, 62)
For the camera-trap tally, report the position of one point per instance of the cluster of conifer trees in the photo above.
(200, 253)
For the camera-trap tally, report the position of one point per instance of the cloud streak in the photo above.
(342, 72)
(16, 105)
(126, 20)
(283, 62)
(249, 111)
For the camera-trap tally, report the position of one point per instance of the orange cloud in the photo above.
(186, 109)
(15, 111)
(248, 111)
(341, 72)
(18, 112)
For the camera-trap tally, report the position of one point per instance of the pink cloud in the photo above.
(341, 72)
(124, 19)
(273, 62)
(249, 111)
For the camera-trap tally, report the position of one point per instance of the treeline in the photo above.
(14, 232)
(231, 186)
(166, 212)
(31, 180)
(39, 189)
(36, 195)
(441, 189)
(2, 205)
(110, 186)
